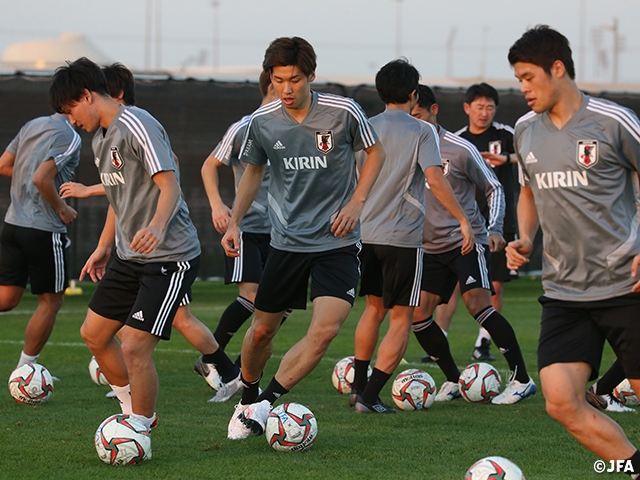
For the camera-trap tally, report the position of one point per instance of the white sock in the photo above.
(482, 333)
(124, 397)
(446, 334)
(145, 420)
(24, 359)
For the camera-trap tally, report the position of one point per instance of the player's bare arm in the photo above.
(79, 190)
(349, 215)
(6, 164)
(497, 160)
(44, 180)
(146, 239)
(519, 250)
(220, 213)
(247, 191)
(96, 264)
(443, 192)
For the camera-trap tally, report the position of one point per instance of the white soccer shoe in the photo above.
(515, 391)
(448, 391)
(208, 372)
(255, 416)
(606, 402)
(111, 394)
(237, 429)
(227, 390)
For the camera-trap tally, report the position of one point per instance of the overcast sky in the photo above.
(351, 37)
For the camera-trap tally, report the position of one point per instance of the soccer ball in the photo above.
(291, 427)
(96, 373)
(343, 374)
(123, 440)
(413, 389)
(479, 383)
(491, 468)
(625, 394)
(31, 383)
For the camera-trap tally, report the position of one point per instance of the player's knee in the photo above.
(8, 303)
(262, 334)
(562, 410)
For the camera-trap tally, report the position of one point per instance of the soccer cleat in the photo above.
(606, 402)
(376, 407)
(255, 416)
(353, 397)
(111, 394)
(208, 372)
(154, 421)
(515, 391)
(227, 390)
(482, 352)
(448, 391)
(54, 379)
(237, 429)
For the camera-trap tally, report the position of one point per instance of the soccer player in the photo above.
(246, 268)
(315, 200)
(579, 159)
(214, 365)
(495, 142)
(446, 264)
(391, 222)
(156, 244)
(43, 155)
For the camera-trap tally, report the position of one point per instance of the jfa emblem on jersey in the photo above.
(446, 166)
(587, 153)
(495, 147)
(116, 159)
(324, 141)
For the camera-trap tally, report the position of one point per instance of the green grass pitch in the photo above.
(55, 440)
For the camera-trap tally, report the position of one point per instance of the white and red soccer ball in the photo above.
(123, 440)
(494, 468)
(413, 389)
(30, 384)
(96, 373)
(291, 427)
(343, 374)
(479, 383)
(625, 394)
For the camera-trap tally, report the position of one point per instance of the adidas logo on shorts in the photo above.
(278, 146)
(138, 316)
(352, 292)
(470, 280)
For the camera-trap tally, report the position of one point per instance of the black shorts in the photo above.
(33, 255)
(576, 332)
(186, 300)
(442, 271)
(499, 270)
(393, 273)
(144, 296)
(248, 266)
(285, 280)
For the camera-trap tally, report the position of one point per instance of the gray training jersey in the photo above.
(465, 170)
(313, 168)
(256, 220)
(128, 154)
(394, 211)
(583, 177)
(40, 140)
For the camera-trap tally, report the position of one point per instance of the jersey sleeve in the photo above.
(251, 149)
(229, 146)
(12, 148)
(363, 133)
(630, 140)
(483, 177)
(429, 147)
(150, 142)
(65, 144)
(523, 177)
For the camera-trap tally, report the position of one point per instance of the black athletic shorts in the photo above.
(442, 271)
(248, 266)
(33, 255)
(499, 270)
(576, 332)
(144, 296)
(285, 280)
(393, 273)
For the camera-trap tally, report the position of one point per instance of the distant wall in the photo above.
(196, 114)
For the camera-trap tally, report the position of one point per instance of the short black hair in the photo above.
(542, 46)
(70, 82)
(285, 51)
(120, 79)
(481, 90)
(426, 97)
(396, 80)
(264, 81)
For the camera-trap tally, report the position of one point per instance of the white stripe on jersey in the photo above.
(58, 261)
(628, 121)
(502, 126)
(263, 110)
(461, 131)
(140, 132)
(416, 203)
(275, 208)
(354, 109)
(170, 298)
(236, 276)
(498, 192)
(526, 116)
(223, 150)
(73, 146)
(482, 266)
(414, 301)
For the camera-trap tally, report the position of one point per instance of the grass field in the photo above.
(55, 440)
